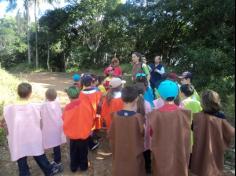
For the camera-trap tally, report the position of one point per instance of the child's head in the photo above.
(100, 80)
(24, 90)
(186, 77)
(76, 77)
(211, 101)
(115, 83)
(168, 90)
(109, 71)
(187, 90)
(95, 80)
(144, 60)
(51, 94)
(87, 80)
(72, 92)
(115, 86)
(129, 94)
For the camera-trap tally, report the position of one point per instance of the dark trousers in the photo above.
(147, 158)
(57, 154)
(153, 86)
(78, 154)
(41, 160)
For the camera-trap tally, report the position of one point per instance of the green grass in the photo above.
(8, 84)
(25, 68)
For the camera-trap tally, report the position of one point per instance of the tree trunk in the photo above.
(36, 35)
(28, 31)
(48, 58)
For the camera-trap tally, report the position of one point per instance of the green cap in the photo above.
(72, 92)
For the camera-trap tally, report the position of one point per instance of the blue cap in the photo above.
(76, 77)
(87, 79)
(140, 75)
(168, 89)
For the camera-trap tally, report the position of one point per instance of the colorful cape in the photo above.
(212, 136)
(115, 105)
(170, 143)
(24, 132)
(52, 124)
(127, 142)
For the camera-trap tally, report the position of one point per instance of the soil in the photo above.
(100, 159)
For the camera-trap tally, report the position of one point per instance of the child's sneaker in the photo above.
(96, 145)
(57, 167)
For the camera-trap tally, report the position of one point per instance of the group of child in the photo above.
(166, 135)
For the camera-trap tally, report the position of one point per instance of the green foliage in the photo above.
(12, 44)
(2, 136)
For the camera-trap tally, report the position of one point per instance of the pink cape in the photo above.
(24, 132)
(52, 124)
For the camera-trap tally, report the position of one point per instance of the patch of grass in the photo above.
(8, 84)
(25, 68)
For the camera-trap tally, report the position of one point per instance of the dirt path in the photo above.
(100, 160)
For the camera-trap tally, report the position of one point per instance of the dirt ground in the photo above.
(100, 159)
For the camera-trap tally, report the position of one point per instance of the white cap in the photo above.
(115, 82)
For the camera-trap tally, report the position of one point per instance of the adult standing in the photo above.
(139, 66)
(117, 71)
(157, 70)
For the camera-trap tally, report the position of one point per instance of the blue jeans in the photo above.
(41, 160)
(57, 154)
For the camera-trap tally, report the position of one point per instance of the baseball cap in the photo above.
(172, 76)
(76, 77)
(115, 82)
(87, 79)
(72, 92)
(168, 89)
(186, 74)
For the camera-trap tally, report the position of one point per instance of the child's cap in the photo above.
(140, 75)
(186, 75)
(172, 76)
(168, 89)
(72, 92)
(115, 82)
(76, 77)
(87, 79)
(108, 69)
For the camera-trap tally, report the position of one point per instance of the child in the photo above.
(109, 71)
(112, 102)
(127, 137)
(212, 136)
(186, 78)
(186, 92)
(93, 96)
(101, 85)
(77, 125)
(76, 79)
(53, 135)
(141, 80)
(170, 134)
(144, 107)
(24, 133)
